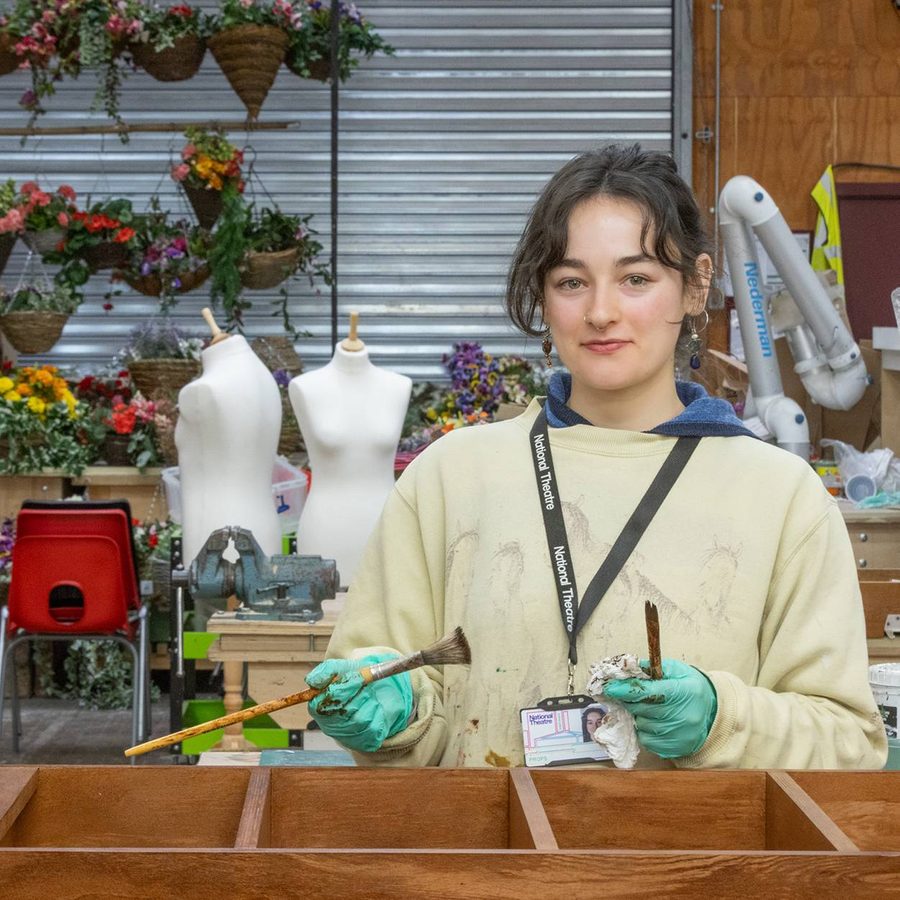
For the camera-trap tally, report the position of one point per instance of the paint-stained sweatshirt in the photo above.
(748, 561)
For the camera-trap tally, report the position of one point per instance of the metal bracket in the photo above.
(892, 625)
(705, 134)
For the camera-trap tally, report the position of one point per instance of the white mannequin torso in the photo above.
(227, 436)
(351, 415)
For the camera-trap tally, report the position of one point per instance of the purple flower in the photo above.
(145, 268)
(28, 100)
(282, 377)
(176, 283)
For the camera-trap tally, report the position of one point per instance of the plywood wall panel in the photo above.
(785, 143)
(868, 130)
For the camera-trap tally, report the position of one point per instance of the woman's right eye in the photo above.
(570, 284)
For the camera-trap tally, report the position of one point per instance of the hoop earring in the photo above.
(546, 347)
(694, 340)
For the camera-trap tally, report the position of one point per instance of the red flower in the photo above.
(124, 235)
(107, 306)
(66, 192)
(153, 540)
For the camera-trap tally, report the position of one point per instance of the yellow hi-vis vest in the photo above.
(826, 252)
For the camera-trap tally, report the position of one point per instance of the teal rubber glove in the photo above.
(679, 723)
(360, 716)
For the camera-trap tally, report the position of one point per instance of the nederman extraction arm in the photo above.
(826, 357)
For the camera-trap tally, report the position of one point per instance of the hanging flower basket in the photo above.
(250, 55)
(7, 242)
(107, 255)
(266, 270)
(163, 377)
(43, 241)
(115, 449)
(207, 204)
(152, 285)
(318, 69)
(33, 331)
(176, 63)
(9, 62)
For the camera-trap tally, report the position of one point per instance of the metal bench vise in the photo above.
(269, 587)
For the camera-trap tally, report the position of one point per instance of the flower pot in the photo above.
(317, 69)
(9, 62)
(152, 285)
(115, 449)
(7, 242)
(107, 255)
(163, 377)
(33, 332)
(43, 241)
(176, 63)
(250, 55)
(207, 204)
(266, 270)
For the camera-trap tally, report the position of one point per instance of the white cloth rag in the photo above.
(616, 732)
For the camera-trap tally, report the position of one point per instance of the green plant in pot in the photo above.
(168, 257)
(172, 41)
(270, 247)
(309, 50)
(101, 237)
(33, 316)
(161, 358)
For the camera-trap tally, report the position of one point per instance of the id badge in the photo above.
(557, 732)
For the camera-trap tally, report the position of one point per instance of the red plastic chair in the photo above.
(74, 577)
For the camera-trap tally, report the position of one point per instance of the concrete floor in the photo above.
(61, 732)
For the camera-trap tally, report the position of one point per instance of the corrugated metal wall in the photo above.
(443, 149)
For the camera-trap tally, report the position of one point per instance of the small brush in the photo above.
(651, 617)
(450, 650)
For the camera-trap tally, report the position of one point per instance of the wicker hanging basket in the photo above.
(165, 443)
(176, 63)
(163, 378)
(31, 331)
(43, 241)
(266, 270)
(107, 255)
(207, 204)
(9, 62)
(7, 242)
(318, 69)
(115, 450)
(152, 285)
(250, 55)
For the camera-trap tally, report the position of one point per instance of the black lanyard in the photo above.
(574, 615)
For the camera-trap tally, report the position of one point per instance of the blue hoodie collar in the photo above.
(703, 416)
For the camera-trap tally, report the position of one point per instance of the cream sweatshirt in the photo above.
(748, 561)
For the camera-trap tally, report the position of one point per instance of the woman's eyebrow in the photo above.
(634, 259)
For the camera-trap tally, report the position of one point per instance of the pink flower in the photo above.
(187, 151)
(246, 3)
(13, 221)
(180, 172)
(66, 192)
(41, 198)
(29, 187)
(63, 220)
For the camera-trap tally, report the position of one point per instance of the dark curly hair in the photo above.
(646, 178)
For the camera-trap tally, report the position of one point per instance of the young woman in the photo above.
(525, 532)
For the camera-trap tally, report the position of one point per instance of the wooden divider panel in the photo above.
(121, 806)
(880, 599)
(864, 805)
(255, 829)
(17, 786)
(795, 822)
(529, 827)
(360, 807)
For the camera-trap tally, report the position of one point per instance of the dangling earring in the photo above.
(547, 346)
(694, 340)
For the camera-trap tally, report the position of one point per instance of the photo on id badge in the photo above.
(558, 731)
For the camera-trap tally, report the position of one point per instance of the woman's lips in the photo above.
(605, 346)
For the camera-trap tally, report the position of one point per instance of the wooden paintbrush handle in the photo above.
(651, 615)
(241, 715)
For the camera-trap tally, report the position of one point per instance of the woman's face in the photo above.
(592, 721)
(614, 312)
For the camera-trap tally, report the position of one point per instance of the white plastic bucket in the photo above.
(884, 679)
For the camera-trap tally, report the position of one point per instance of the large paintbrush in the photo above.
(651, 616)
(453, 649)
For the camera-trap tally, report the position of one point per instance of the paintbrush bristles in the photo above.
(450, 650)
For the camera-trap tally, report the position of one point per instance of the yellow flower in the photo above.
(36, 405)
(12, 396)
(6, 385)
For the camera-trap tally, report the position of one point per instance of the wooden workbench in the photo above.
(278, 654)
